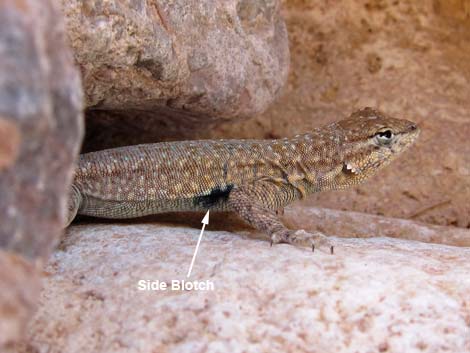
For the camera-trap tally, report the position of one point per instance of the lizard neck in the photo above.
(335, 159)
(324, 158)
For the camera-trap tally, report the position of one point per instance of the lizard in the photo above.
(253, 178)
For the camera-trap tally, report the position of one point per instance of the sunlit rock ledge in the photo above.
(374, 295)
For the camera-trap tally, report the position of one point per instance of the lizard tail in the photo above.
(74, 203)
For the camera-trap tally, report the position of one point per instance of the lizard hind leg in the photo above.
(74, 203)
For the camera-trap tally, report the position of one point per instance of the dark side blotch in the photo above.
(216, 196)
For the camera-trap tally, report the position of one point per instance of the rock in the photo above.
(20, 285)
(373, 295)
(349, 54)
(40, 131)
(40, 125)
(454, 9)
(361, 225)
(9, 143)
(183, 63)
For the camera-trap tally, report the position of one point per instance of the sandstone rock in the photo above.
(455, 9)
(186, 63)
(40, 131)
(373, 295)
(20, 285)
(9, 143)
(40, 125)
(408, 58)
(362, 225)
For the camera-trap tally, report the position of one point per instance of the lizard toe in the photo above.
(302, 238)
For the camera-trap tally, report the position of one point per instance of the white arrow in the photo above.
(204, 221)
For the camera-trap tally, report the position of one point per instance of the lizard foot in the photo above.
(302, 238)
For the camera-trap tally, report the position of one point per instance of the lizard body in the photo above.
(253, 178)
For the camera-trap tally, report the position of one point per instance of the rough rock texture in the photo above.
(409, 58)
(40, 131)
(181, 64)
(40, 125)
(19, 283)
(362, 225)
(374, 295)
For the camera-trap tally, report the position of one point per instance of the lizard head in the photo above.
(370, 141)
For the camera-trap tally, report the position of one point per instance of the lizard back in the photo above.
(171, 176)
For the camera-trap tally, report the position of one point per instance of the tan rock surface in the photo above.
(175, 65)
(19, 289)
(40, 125)
(408, 58)
(374, 295)
(362, 225)
(40, 133)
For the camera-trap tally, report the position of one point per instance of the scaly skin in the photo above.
(253, 178)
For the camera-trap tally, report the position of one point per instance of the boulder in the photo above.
(181, 64)
(374, 295)
(40, 133)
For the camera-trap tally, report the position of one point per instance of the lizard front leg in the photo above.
(255, 204)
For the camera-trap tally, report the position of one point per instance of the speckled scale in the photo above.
(171, 170)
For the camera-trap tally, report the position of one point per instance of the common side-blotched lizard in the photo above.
(253, 178)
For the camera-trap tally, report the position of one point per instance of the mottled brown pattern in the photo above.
(9, 142)
(251, 177)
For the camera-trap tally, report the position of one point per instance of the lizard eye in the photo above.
(384, 137)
